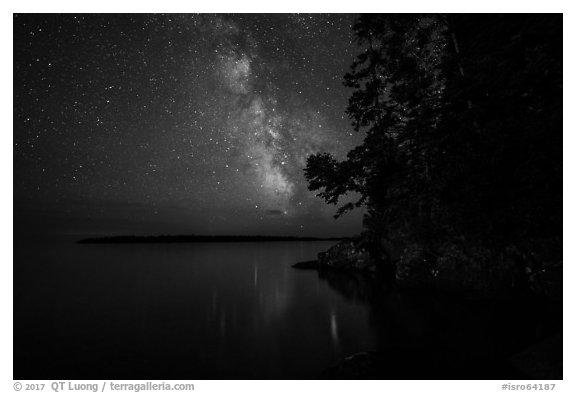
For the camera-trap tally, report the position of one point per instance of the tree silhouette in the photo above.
(462, 117)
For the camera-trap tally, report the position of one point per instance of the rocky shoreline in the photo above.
(468, 276)
(467, 270)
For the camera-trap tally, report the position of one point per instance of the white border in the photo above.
(6, 167)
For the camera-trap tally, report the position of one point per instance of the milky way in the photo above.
(179, 123)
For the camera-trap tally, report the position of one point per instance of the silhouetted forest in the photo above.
(462, 116)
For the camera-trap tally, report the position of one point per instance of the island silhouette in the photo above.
(202, 239)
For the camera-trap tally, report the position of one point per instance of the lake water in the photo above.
(188, 311)
(239, 311)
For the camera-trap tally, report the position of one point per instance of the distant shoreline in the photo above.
(202, 239)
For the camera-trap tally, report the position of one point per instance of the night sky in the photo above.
(178, 124)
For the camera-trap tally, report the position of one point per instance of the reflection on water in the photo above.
(435, 336)
(186, 311)
(238, 310)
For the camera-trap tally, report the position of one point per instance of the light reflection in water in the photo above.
(214, 311)
(334, 329)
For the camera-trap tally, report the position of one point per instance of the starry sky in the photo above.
(178, 124)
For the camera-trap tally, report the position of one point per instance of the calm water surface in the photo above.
(239, 311)
(186, 311)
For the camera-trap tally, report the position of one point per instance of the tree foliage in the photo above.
(462, 116)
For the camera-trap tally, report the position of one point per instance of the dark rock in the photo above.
(306, 265)
(346, 256)
(465, 269)
(361, 365)
(414, 268)
(457, 267)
